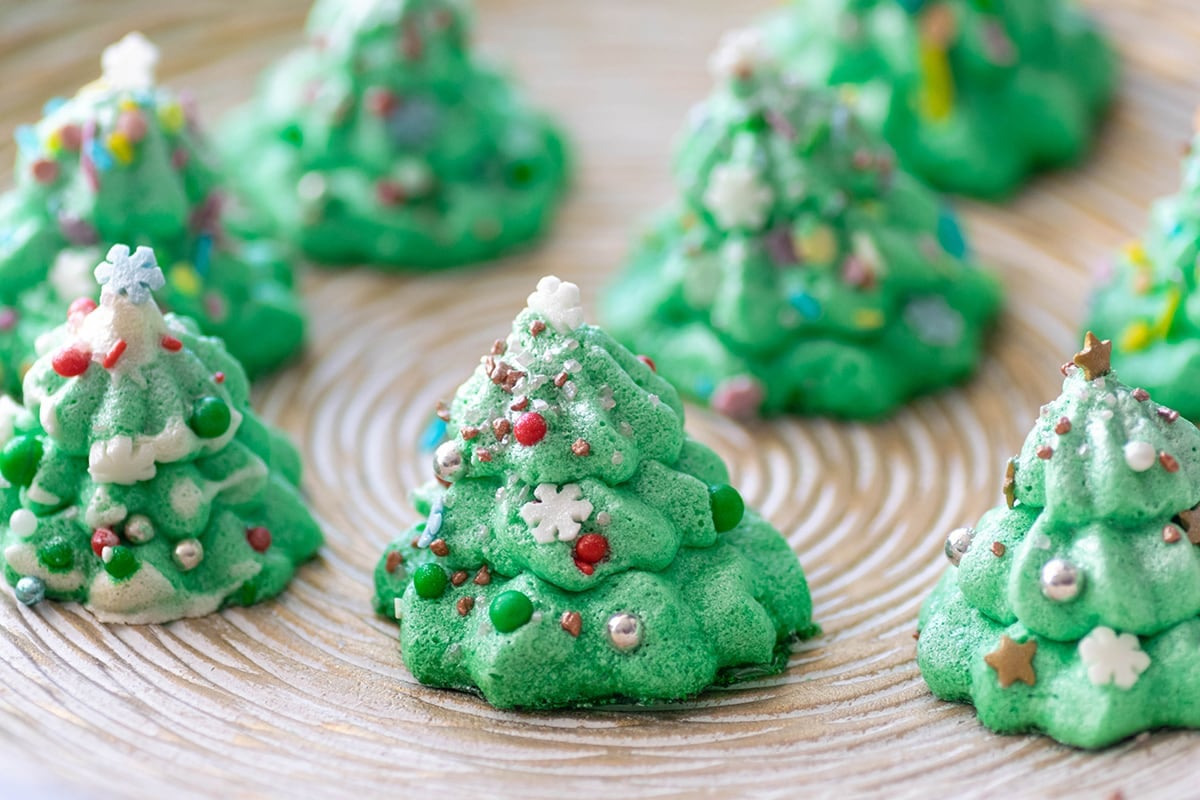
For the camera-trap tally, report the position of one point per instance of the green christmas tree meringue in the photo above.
(1149, 304)
(578, 546)
(383, 141)
(800, 271)
(1074, 607)
(123, 161)
(974, 95)
(137, 479)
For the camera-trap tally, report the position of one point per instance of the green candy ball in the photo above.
(57, 555)
(210, 417)
(510, 610)
(19, 460)
(122, 564)
(430, 581)
(727, 507)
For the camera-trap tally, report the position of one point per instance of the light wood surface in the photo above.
(306, 696)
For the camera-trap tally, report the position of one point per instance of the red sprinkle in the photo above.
(80, 308)
(649, 362)
(71, 362)
(114, 355)
(380, 101)
(44, 170)
(1044, 451)
(1169, 414)
(1168, 461)
(71, 137)
(259, 538)
(1141, 395)
(171, 343)
(530, 429)
(591, 548)
(219, 377)
(1063, 427)
(584, 567)
(102, 538)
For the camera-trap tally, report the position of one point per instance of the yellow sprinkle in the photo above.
(184, 278)
(868, 318)
(1136, 337)
(819, 246)
(937, 85)
(127, 104)
(1163, 326)
(54, 142)
(121, 147)
(171, 116)
(1136, 253)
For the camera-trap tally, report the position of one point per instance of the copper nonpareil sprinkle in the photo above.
(521, 404)
(501, 427)
(483, 454)
(998, 549)
(581, 447)
(1063, 426)
(483, 577)
(1169, 462)
(572, 622)
(560, 379)
(498, 347)
(459, 578)
(469, 432)
(464, 605)
(394, 560)
(443, 411)
(1141, 395)
(536, 327)
(1169, 414)
(414, 541)
(1044, 451)
(1171, 534)
(439, 548)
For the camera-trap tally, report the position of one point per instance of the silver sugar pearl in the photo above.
(448, 462)
(30, 590)
(958, 543)
(139, 529)
(188, 554)
(624, 631)
(1061, 580)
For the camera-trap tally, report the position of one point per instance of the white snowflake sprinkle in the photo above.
(1113, 658)
(557, 301)
(934, 322)
(738, 55)
(618, 459)
(558, 514)
(569, 390)
(130, 63)
(572, 366)
(134, 276)
(737, 197)
(605, 398)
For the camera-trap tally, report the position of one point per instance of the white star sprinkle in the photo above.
(737, 197)
(559, 513)
(558, 302)
(130, 63)
(738, 55)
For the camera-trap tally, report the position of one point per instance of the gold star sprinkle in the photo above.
(1010, 483)
(1013, 662)
(1191, 524)
(1095, 359)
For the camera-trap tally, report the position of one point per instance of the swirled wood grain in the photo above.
(306, 697)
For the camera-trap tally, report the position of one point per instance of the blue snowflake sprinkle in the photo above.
(134, 276)
(434, 526)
